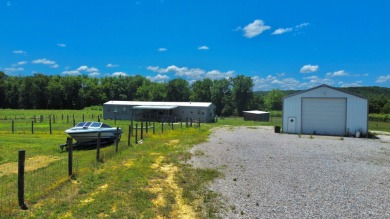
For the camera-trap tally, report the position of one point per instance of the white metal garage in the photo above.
(325, 110)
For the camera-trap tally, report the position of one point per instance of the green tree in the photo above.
(221, 96)
(242, 93)
(178, 90)
(201, 90)
(274, 100)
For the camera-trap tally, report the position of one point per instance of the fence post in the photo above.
(154, 128)
(190, 122)
(142, 130)
(50, 124)
(181, 123)
(69, 142)
(13, 126)
(162, 127)
(116, 139)
(83, 117)
(32, 127)
(67, 119)
(74, 122)
(136, 133)
(98, 118)
(128, 136)
(21, 162)
(172, 123)
(199, 122)
(147, 127)
(98, 148)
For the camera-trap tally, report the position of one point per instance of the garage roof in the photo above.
(155, 107)
(324, 85)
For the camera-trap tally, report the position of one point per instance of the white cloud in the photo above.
(383, 79)
(22, 63)
(82, 68)
(94, 74)
(44, 61)
(309, 68)
(162, 49)
(87, 69)
(72, 72)
(272, 82)
(191, 73)
(9, 4)
(302, 25)
(119, 73)
(255, 28)
(111, 65)
(12, 69)
(336, 74)
(92, 71)
(61, 45)
(19, 52)
(215, 74)
(351, 84)
(282, 31)
(203, 48)
(158, 78)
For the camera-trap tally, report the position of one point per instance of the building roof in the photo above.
(155, 107)
(327, 86)
(255, 112)
(159, 104)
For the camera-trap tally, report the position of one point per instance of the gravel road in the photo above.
(270, 175)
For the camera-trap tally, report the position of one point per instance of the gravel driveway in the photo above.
(270, 175)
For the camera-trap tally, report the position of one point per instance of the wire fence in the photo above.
(47, 172)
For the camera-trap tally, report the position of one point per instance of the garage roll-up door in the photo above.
(325, 116)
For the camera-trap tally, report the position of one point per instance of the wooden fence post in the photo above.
(128, 136)
(154, 128)
(142, 130)
(98, 148)
(116, 139)
(69, 142)
(83, 117)
(136, 133)
(13, 126)
(162, 127)
(50, 124)
(32, 127)
(147, 127)
(199, 122)
(21, 164)
(172, 124)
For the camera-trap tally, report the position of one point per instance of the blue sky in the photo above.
(280, 43)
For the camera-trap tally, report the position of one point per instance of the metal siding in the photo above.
(324, 115)
(292, 108)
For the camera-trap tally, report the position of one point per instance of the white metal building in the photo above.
(159, 111)
(325, 110)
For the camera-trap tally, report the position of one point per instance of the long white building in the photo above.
(159, 111)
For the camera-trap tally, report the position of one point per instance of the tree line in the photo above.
(231, 96)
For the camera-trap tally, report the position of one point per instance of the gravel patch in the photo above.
(270, 175)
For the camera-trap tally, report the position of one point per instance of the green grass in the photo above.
(142, 180)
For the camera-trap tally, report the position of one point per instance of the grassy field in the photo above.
(147, 180)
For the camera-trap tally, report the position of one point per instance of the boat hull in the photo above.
(85, 136)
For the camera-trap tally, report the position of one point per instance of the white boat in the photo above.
(87, 132)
